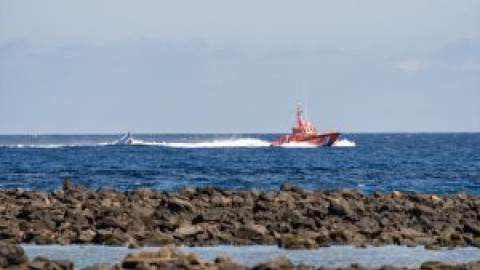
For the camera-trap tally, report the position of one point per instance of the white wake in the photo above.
(298, 145)
(53, 146)
(344, 143)
(224, 143)
(217, 143)
(45, 146)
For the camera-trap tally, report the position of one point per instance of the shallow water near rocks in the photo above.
(336, 256)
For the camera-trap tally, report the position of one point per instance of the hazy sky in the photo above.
(110, 66)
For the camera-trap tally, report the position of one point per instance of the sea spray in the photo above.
(224, 143)
(344, 143)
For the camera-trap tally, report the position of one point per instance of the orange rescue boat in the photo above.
(305, 132)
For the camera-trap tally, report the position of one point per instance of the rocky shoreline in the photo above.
(290, 217)
(12, 257)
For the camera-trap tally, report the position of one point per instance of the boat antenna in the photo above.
(299, 112)
(306, 105)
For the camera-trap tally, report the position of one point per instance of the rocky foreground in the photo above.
(12, 257)
(291, 217)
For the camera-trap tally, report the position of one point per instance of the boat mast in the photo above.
(299, 114)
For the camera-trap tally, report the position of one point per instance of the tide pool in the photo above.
(336, 256)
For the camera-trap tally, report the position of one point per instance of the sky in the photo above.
(216, 66)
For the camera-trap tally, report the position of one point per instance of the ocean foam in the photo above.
(298, 145)
(344, 143)
(46, 146)
(51, 146)
(226, 143)
(220, 143)
(141, 142)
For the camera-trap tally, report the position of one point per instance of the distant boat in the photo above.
(305, 132)
(127, 139)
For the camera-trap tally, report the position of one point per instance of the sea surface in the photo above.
(433, 163)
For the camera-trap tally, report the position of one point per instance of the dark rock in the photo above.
(261, 206)
(68, 185)
(220, 201)
(98, 267)
(178, 205)
(226, 263)
(267, 196)
(42, 263)
(290, 188)
(157, 240)
(188, 230)
(341, 236)
(422, 210)
(275, 264)
(145, 193)
(118, 238)
(291, 241)
(111, 222)
(211, 215)
(339, 206)
(11, 255)
(431, 265)
(475, 242)
(251, 231)
(473, 227)
(87, 236)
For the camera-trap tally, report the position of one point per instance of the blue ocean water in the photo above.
(432, 163)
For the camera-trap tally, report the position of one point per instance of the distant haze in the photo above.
(238, 66)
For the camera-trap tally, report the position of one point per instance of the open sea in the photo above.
(432, 163)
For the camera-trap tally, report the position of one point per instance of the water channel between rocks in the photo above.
(336, 256)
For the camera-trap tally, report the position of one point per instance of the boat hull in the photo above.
(318, 139)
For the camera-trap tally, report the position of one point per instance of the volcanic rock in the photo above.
(211, 216)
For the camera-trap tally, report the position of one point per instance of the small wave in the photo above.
(344, 143)
(227, 143)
